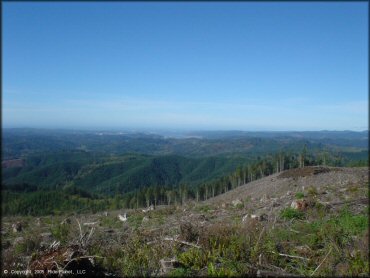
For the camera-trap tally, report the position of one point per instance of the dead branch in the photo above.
(79, 225)
(321, 262)
(291, 256)
(182, 242)
(260, 236)
(91, 232)
(90, 223)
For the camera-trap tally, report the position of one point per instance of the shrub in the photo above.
(299, 195)
(194, 258)
(312, 191)
(214, 271)
(351, 224)
(60, 232)
(291, 213)
(25, 247)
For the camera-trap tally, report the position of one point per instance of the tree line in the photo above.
(49, 201)
(178, 195)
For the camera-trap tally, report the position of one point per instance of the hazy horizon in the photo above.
(296, 66)
(172, 130)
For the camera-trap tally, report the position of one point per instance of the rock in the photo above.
(261, 217)
(17, 227)
(18, 240)
(294, 204)
(122, 218)
(299, 205)
(237, 202)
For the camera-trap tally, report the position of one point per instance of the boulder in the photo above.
(122, 218)
(299, 205)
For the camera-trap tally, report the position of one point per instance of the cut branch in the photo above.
(291, 256)
(317, 268)
(182, 242)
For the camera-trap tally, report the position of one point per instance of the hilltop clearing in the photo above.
(328, 184)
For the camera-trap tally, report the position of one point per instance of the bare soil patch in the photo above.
(304, 172)
(12, 163)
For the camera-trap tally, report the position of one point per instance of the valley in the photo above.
(281, 205)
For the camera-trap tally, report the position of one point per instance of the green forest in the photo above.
(64, 171)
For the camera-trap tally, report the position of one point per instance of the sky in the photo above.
(201, 66)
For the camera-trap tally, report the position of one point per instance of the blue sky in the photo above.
(248, 66)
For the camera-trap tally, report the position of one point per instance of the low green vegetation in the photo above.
(61, 232)
(223, 249)
(291, 213)
(299, 195)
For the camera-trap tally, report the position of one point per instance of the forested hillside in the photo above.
(70, 171)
